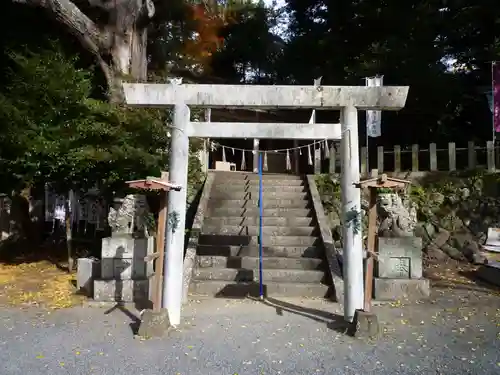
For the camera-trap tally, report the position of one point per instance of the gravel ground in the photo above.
(457, 332)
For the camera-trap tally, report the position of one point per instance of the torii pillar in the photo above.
(347, 99)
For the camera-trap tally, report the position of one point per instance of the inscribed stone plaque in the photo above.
(400, 258)
(399, 268)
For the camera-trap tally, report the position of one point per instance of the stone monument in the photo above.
(125, 274)
(399, 271)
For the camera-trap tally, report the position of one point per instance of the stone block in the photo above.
(88, 270)
(400, 258)
(154, 323)
(124, 269)
(399, 289)
(125, 247)
(122, 290)
(365, 325)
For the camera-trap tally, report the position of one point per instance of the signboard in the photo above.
(374, 118)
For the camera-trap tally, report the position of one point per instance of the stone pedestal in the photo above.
(399, 270)
(88, 270)
(125, 275)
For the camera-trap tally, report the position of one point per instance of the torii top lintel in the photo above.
(260, 96)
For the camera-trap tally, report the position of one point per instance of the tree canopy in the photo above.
(56, 120)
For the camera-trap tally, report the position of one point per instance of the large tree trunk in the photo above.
(119, 46)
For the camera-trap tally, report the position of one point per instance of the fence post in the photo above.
(452, 157)
(317, 159)
(397, 158)
(332, 161)
(380, 158)
(490, 155)
(364, 167)
(414, 158)
(433, 157)
(471, 155)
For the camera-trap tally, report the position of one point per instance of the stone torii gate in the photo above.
(347, 99)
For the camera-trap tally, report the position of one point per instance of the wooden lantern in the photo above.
(155, 183)
(373, 183)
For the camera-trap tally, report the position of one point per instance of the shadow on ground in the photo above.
(333, 321)
(478, 282)
(135, 320)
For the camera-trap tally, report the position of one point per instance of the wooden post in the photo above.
(414, 158)
(372, 238)
(380, 158)
(397, 158)
(296, 154)
(452, 157)
(317, 159)
(206, 142)
(490, 155)
(364, 167)
(333, 159)
(433, 157)
(160, 246)
(471, 155)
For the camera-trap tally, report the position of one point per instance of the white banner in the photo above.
(374, 118)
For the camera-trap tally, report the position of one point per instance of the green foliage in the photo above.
(385, 191)
(329, 191)
(456, 198)
(52, 129)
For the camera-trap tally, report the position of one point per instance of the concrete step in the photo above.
(254, 230)
(255, 176)
(228, 240)
(255, 182)
(267, 203)
(254, 212)
(245, 195)
(303, 251)
(226, 289)
(247, 275)
(245, 262)
(266, 221)
(223, 187)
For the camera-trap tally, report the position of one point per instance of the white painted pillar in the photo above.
(176, 206)
(351, 214)
(256, 155)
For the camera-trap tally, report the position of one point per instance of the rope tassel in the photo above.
(223, 154)
(327, 151)
(288, 162)
(264, 166)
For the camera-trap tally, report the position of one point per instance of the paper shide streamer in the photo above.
(243, 163)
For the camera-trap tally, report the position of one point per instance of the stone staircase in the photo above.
(227, 263)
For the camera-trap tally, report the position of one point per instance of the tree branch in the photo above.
(77, 23)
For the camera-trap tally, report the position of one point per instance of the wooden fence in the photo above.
(416, 159)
